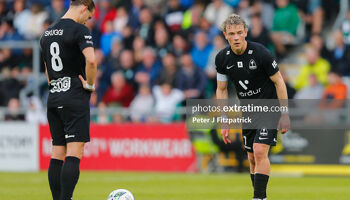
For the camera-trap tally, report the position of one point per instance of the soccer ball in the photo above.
(121, 194)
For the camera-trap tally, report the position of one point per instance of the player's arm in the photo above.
(47, 74)
(90, 69)
(282, 95)
(221, 93)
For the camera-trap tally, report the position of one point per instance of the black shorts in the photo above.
(264, 136)
(69, 124)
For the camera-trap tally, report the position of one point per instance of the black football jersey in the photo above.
(61, 48)
(250, 72)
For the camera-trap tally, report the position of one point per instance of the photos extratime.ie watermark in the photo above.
(265, 113)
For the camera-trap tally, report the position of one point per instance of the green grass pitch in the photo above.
(176, 186)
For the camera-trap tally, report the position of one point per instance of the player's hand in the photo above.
(85, 84)
(224, 134)
(284, 123)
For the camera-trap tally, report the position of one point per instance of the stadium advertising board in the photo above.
(19, 147)
(136, 147)
(312, 147)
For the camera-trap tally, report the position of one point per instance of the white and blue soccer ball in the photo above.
(121, 194)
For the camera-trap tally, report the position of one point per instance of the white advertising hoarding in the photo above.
(19, 147)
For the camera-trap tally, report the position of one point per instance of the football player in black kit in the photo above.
(68, 53)
(255, 75)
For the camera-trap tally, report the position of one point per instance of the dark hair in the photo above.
(89, 3)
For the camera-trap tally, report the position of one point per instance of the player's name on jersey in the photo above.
(53, 32)
(225, 120)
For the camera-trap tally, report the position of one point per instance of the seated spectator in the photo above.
(210, 29)
(191, 80)
(180, 44)
(217, 11)
(335, 90)
(56, 10)
(138, 47)
(169, 70)
(10, 86)
(340, 56)
(127, 67)
(316, 41)
(258, 32)
(285, 25)
(192, 15)
(145, 19)
(166, 101)
(149, 69)
(313, 91)
(141, 106)
(201, 50)
(14, 111)
(174, 15)
(345, 27)
(35, 112)
(120, 93)
(162, 42)
(109, 37)
(121, 20)
(134, 13)
(315, 65)
(34, 24)
(312, 14)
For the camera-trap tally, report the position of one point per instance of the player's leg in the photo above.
(248, 139)
(70, 170)
(262, 169)
(252, 166)
(264, 138)
(58, 152)
(77, 120)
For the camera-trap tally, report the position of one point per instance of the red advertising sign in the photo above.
(140, 147)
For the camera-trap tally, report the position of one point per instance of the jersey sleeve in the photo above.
(219, 63)
(269, 62)
(84, 38)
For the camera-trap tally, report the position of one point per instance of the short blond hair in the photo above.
(231, 20)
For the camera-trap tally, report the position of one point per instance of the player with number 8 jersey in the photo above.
(68, 54)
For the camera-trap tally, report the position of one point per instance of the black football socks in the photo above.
(69, 177)
(260, 184)
(252, 177)
(54, 174)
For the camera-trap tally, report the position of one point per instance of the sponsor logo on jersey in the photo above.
(250, 52)
(252, 64)
(88, 37)
(246, 82)
(229, 67)
(240, 64)
(245, 87)
(60, 85)
(250, 93)
(263, 132)
(53, 32)
(263, 138)
(274, 64)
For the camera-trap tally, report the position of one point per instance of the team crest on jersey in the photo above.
(252, 64)
(274, 64)
(263, 132)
